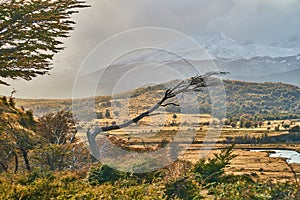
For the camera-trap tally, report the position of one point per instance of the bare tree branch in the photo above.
(167, 104)
(192, 84)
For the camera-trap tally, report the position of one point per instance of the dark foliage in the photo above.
(31, 33)
(208, 171)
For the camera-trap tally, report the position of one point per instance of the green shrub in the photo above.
(235, 178)
(208, 171)
(183, 189)
(244, 189)
(104, 174)
(30, 177)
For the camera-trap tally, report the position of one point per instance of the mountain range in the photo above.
(277, 62)
(218, 46)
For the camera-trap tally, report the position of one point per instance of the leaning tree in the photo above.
(30, 35)
(193, 84)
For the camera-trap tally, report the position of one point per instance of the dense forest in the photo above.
(275, 100)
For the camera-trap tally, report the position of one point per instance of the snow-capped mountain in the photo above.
(224, 47)
(211, 46)
(293, 42)
(247, 62)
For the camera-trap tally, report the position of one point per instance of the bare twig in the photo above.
(167, 104)
(293, 171)
(192, 84)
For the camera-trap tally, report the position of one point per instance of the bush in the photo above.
(104, 174)
(295, 129)
(31, 177)
(208, 171)
(183, 189)
(243, 189)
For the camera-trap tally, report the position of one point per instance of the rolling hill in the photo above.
(274, 100)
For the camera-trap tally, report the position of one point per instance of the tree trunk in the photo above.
(194, 84)
(16, 162)
(3, 166)
(93, 147)
(25, 156)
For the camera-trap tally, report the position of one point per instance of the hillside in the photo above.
(262, 98)
(11, 115)
(16, 134)
(273, 100)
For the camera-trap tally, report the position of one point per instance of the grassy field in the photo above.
(153, 130)
(249, 175)
(199, 131)
(258, 165)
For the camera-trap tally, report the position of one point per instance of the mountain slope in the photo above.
(210, 46)
(246, 62)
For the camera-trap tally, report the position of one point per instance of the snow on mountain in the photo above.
(222, 46)
(293, 42)
(248, 61)
(211, 46)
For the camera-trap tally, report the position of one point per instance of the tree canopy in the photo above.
(31, 33)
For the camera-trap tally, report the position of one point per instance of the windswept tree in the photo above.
(193, 84)
(60, 148)
(31, 33)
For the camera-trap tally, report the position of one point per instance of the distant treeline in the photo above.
(275, 101)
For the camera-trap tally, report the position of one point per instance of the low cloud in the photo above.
(262, 21)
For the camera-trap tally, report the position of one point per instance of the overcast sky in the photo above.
(261, 21)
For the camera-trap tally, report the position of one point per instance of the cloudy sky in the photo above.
(261, 21)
